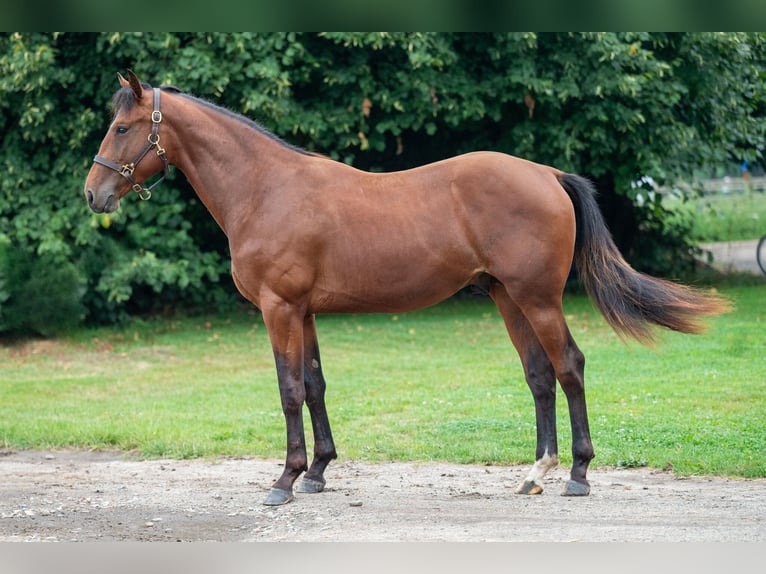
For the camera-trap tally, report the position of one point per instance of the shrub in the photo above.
(38, 295)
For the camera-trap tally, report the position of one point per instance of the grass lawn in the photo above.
(724, 217)
(439, 384)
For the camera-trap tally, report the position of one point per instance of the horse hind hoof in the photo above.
(529, 487)
(310, 486)
(278, 496)
(574, 488)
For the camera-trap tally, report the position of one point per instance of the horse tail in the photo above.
(630, 301)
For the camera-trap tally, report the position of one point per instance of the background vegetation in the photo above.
(724, 217)
(612, 106)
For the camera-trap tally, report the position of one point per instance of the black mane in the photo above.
(124, 99)
(247, 121)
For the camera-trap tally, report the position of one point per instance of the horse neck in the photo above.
(226, 161)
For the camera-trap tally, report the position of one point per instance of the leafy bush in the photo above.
(666, 247)
(613, 106)
(38, 295)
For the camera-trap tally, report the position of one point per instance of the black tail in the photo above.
(631, 302)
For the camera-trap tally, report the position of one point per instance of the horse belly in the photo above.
(388, 279)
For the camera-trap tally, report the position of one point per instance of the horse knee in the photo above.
(293, 399)
(315, 387)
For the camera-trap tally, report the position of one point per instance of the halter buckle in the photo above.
(156, 116)
(127, 170)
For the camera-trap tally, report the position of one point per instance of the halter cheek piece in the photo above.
(126, 170)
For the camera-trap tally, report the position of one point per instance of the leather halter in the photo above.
(126, 170)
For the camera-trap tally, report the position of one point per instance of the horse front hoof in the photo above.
(278, 496)
(529, 487)
(310, 486)
(574, 488)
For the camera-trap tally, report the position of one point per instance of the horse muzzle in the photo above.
(102, 203)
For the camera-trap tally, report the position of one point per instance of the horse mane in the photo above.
(124, 99)
(245, 120)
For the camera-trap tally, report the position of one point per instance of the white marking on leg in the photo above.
(541, 467)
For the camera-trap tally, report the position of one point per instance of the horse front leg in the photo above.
(285, 325)
(324, 447)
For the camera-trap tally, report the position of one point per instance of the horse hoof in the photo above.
(574, 488)
(311, 486)
(278, 496)
(529, 487)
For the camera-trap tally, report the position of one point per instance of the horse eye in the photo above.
(122, 130)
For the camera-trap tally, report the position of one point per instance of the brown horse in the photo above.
(311, 235)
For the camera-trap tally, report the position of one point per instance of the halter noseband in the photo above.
(126, 170)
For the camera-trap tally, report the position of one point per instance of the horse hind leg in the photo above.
(541, 380)
(543, 315)
(547, 320)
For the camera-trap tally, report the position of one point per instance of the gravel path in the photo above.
(88, 496)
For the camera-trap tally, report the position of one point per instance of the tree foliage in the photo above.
(613, 106)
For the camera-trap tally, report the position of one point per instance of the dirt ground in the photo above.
(103, 496)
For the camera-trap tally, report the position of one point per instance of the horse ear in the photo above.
(123, 82)
(135, 84)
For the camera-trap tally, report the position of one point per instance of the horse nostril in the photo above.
(89, 195)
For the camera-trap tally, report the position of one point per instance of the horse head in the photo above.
(123, 161)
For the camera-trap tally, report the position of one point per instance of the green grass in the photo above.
(440, 384)
(720, 217)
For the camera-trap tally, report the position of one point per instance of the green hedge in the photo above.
(611, 106)
(38, 295)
